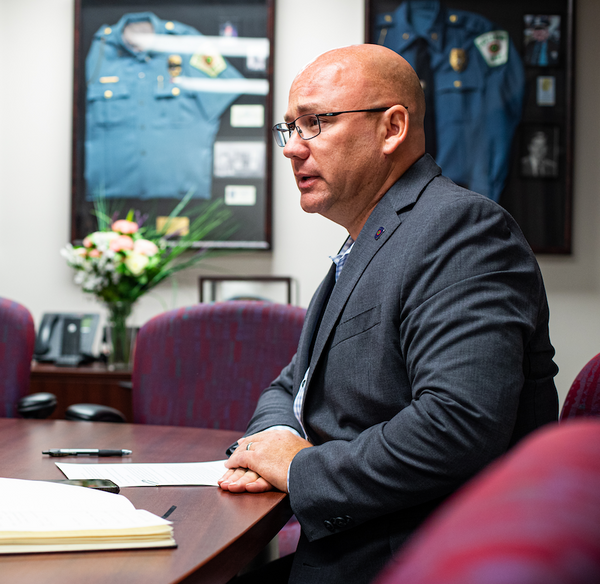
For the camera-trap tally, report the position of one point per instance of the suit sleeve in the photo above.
(275, 406)
(468, 302)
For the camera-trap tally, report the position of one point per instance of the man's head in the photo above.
(540, 34)
(538, 146)
(541, 28)
(344, 171)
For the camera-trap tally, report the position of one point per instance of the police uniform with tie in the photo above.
(146, 135)
(474, 84)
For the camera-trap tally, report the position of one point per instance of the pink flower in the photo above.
(145, 247)
(122, 242)
(87, 242)
(124, 226)
(94, 253)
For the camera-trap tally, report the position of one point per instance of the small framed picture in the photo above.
(262, 288)
(541, 40)
(546, 91)
(539, 153)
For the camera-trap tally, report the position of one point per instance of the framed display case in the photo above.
(498, 81)
(268, 288)
(173, 98)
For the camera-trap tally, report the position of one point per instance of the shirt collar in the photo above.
(340, 259)
(401, 20)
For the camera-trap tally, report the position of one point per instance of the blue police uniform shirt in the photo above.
(478, 101)
(146, 136)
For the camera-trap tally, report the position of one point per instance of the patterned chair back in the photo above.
(583, 398)
(533, 516)
(17, 338)
(205, 365)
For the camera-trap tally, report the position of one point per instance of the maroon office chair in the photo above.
(17, 340)
(205, 366)
(532, 517)
(583, 398)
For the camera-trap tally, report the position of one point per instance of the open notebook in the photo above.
(38, 516)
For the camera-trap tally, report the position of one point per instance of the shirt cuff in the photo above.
(282, 427)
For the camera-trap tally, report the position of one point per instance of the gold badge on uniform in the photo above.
(174, 62)
(458, 59)
(210, 63)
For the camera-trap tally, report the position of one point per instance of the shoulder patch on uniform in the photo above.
(493, 47)
(212, 63)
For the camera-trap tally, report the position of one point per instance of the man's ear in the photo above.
(397, 123)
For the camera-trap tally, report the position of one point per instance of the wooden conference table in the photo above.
(217, 533)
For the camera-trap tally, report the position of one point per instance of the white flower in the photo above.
(80, 278)
(93, 283)
(75, 256)
(136, 262)
(102, 239)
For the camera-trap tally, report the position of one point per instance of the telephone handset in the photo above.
(66, 338)
(42, 341)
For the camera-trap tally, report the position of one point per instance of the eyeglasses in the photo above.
(308, 126)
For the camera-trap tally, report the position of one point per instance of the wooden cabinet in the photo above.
(93, 384)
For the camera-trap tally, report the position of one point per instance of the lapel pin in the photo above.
(379, 233)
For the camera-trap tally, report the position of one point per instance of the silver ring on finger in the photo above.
(248, 445)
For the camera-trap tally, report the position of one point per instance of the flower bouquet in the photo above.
(126, 258)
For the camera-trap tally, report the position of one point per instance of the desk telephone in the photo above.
(66, 338)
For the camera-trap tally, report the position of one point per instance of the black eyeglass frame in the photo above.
(279, 129)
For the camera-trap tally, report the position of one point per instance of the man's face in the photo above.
(538, 147)
(540, 34)
(333, 170)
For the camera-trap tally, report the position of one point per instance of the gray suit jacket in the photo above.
(431, 359)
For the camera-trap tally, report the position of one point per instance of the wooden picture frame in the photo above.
(172, 98)
(542, 205)
(268, 288)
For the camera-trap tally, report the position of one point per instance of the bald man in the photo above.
(425, 352)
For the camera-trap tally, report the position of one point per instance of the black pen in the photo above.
(85, 452)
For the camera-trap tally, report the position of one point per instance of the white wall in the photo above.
(36, 47)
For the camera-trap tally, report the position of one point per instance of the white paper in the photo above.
(81, 520)
(161, 474)
(227, 46)
(239, 159)
(57, 510)
(247, 116)
(240, 195)
(230, 85)
(40, 496)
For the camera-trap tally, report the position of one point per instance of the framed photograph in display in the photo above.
(267, 288)
(498, 82)
(173, 99)
(540, 151)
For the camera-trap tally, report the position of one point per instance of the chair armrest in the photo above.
(94, 413)
(37, 405)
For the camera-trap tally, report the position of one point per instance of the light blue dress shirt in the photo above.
(478, 102)
(147, 136)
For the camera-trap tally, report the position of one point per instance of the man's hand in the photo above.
(264, 464)
(238, 480)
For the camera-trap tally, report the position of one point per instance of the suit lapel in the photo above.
(365, 248)
(381, 224)
(311, 324)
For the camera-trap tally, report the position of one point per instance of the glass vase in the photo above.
(120, 337)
